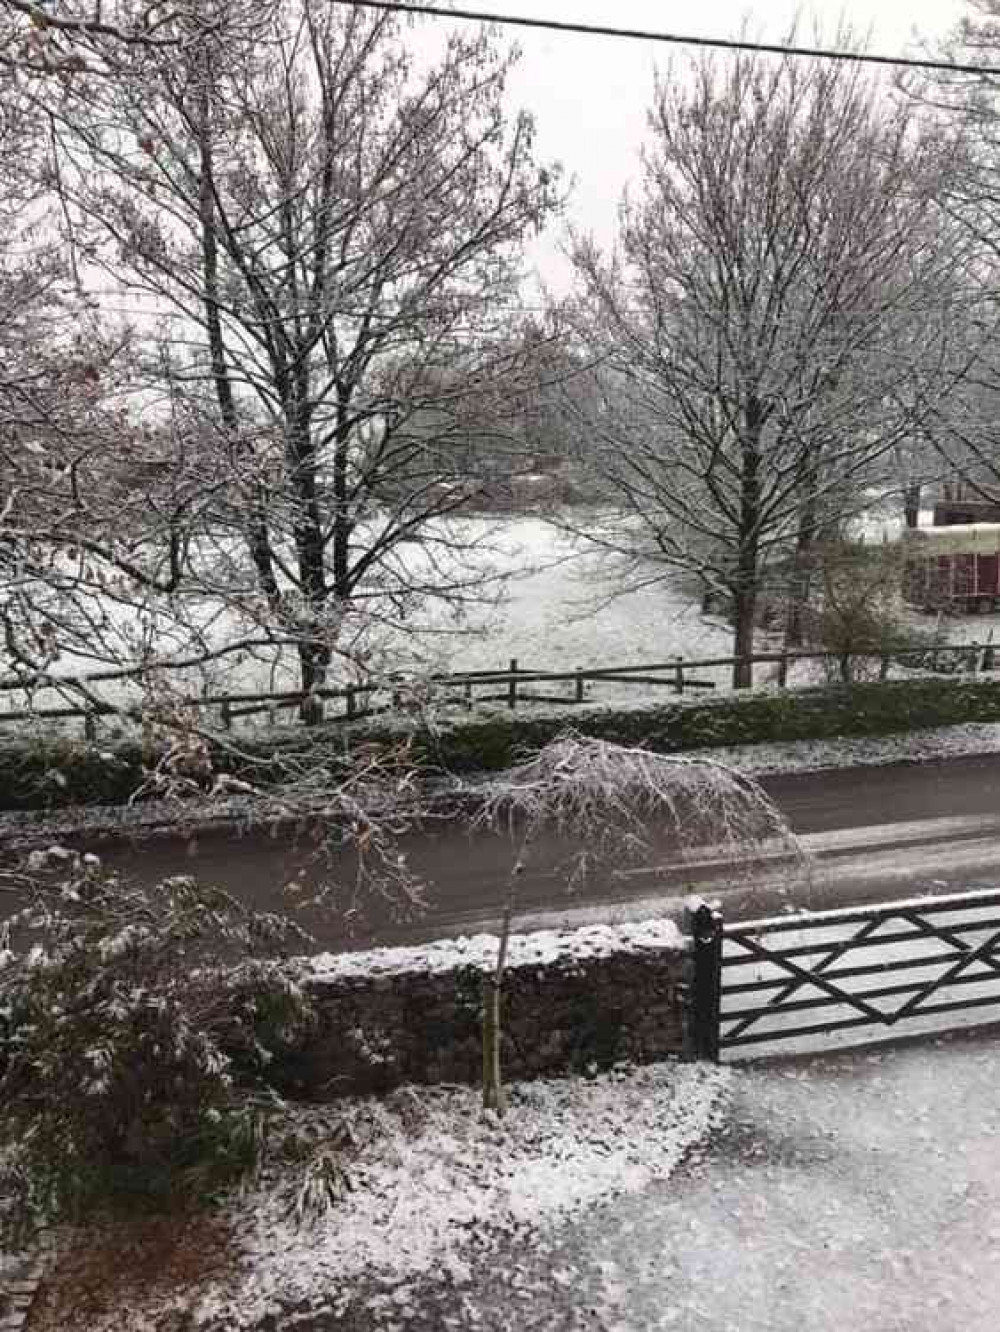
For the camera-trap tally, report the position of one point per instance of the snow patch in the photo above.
(540, 948)
(964, 740)
(423, 1203)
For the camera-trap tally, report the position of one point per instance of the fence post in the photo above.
(783, 671)
(468, 694)
(883, 668)
(226, 716)
(512, 687)
(989, 654)
(349, 700)
(679, 675)
(579, 685)
(706, 989)
(89, 724)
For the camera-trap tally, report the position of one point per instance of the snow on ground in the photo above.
(435, 1182)
(563, 1147)
(550, 607)
(553, 613)
(557, 614)
(926, 745)
(844, 1192)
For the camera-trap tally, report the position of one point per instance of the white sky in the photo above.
(590, 93)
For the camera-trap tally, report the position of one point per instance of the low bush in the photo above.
(47, 772)
(826, 712)
(137, 1027)
(37, 776)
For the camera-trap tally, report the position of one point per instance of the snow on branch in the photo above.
(614, 807)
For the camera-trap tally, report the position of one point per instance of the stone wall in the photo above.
(573, 1001)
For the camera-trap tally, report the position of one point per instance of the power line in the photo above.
(671, 38)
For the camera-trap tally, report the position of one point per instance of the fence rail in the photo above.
(511, 685)
(784, 979)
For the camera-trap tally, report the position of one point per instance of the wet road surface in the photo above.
(875, 832)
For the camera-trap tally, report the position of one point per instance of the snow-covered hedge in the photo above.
(861, 709)
(40, 774)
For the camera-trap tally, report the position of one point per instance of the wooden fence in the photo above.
(512, 686)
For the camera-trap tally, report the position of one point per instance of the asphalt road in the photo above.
(873, 833)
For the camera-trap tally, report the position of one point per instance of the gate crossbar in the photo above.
(813, 965)
(847, 973)
(875, 941)
(879, 910)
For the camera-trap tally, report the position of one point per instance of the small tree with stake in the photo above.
(588, 807)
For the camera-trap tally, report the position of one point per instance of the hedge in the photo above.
(822, 713)
(40, 774)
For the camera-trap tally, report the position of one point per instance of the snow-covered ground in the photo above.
(435, 1184)
(856, 1190)
(852, 1192)
(558, 612)
(551, 608)
(924, 745)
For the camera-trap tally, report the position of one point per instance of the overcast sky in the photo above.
(590, 94)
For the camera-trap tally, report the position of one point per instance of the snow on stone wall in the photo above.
(575, 1000)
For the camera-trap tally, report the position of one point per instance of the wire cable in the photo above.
(672, 38)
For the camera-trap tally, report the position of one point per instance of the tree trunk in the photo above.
(744, 611)
(314, 663)
(494, 1097)
(314, 648)
(801, 576)
(493, 1091)
(747, 573)
(257, 535)
(342, 526)
(798, 594)
(911, 504)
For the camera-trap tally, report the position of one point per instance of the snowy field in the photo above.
(550, 606)
(546, 604)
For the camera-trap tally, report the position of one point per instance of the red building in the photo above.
(953, 568)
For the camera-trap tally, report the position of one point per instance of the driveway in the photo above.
(861, 1191)
(847, 1192)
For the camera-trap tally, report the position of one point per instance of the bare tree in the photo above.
(774, 323)
(320, 238)
(590, 808)
(965, 111)
(55, 365)
(52, 45)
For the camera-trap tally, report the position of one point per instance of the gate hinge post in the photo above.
(705, 924)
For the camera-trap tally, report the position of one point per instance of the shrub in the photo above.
(136, 1030)
(487, 743)
(46, 772)
(855, 709)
